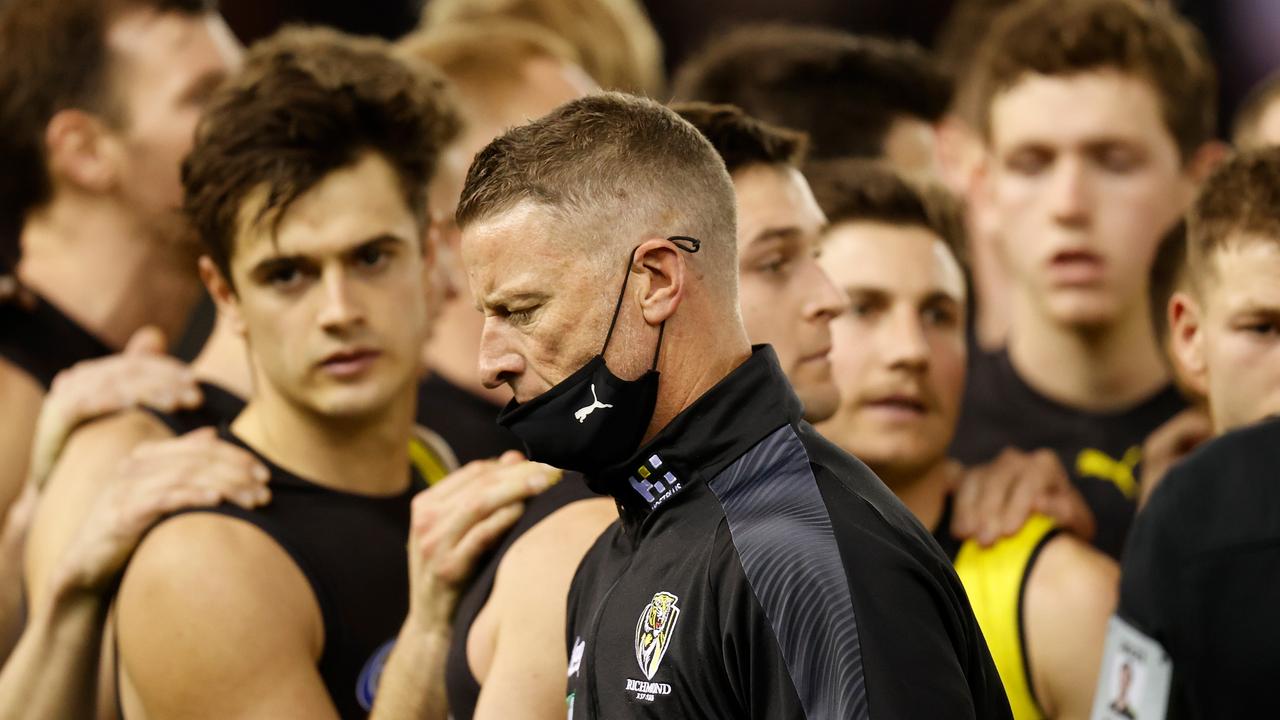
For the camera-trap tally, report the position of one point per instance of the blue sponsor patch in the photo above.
(367, 683)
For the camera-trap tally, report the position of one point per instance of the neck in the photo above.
(924, 493)
(455, 347)
(224, 360)
(1098, 369)
(368, 456)
(704, 360)
(98, 265)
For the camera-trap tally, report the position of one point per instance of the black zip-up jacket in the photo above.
(757, 571)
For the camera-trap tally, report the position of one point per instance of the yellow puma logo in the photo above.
(1097, 464)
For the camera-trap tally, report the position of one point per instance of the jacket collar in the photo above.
(733, 416)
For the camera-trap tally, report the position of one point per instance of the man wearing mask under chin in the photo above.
(757, 571)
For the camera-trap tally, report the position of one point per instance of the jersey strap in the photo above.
(995, 579)
(430, 455)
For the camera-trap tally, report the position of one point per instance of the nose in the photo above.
(341, 308)
(1069, 199)
(825, 301)
(903, 340)
(499, 360)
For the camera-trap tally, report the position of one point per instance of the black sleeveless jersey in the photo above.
(219, 408)
(43, 341)
(351, 549)
(463, 689)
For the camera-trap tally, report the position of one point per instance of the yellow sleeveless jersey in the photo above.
(994, 578)
(430, 455)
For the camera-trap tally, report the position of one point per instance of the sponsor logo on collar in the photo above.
(654, 484)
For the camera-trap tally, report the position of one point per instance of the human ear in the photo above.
(81, 151)
(1187, 327)
(223, 294)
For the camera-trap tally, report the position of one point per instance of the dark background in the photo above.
(1244, 35)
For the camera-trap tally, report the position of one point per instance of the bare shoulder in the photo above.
(560, 539)
(17, 386)
(20, 401)
(214, 567)
(1071, 573)
(206, 602)
(87, 463)
(1070, 594)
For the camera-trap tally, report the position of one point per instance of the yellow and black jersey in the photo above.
(995, 579)
(430, 455)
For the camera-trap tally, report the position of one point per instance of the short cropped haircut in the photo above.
(1240, 202)
(614, 39)
(854, 190)
(742, 140)
(307, 103)
(1148, 41)
(488, 53)
(53, 57)
(844, 91)
(1244, 132)
(1168, 274)
(611, 166)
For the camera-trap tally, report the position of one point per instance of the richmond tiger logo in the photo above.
(653, 631)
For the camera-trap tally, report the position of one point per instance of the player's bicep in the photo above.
(527, 675)
(20, 399)
(90, 460)
(1069, 597)
(215, 621)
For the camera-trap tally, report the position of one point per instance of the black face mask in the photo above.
(592, 419)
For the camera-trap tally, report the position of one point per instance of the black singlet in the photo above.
(43, 341)
(351, 549)
(467, 422)
(463, 689)
(219, 408)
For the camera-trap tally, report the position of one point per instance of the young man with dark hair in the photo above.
(787, 301)
(308, 185)
(1099, 117)
(853, 96)
(99, 103)
(730, 505)
(1042, 597)
(1198, 588)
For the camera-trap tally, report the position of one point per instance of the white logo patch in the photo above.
(575, 660)
(581, 414)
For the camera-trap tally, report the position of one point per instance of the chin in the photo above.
(1084, 313)
(352, 403)
(820, 400)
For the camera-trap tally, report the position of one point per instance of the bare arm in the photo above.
(215, 621)
(453, 523)
(1070, 594)
(53, 672)
(527, 675)
(76, 483)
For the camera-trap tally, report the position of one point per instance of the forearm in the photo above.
(53, 671)
(412, 684)
(11, 603)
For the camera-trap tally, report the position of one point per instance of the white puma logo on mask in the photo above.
(582, 414)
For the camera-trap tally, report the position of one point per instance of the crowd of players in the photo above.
(853, 381)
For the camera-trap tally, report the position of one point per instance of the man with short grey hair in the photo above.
(756, 571)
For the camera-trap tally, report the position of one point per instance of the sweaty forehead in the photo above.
(1242, 272)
